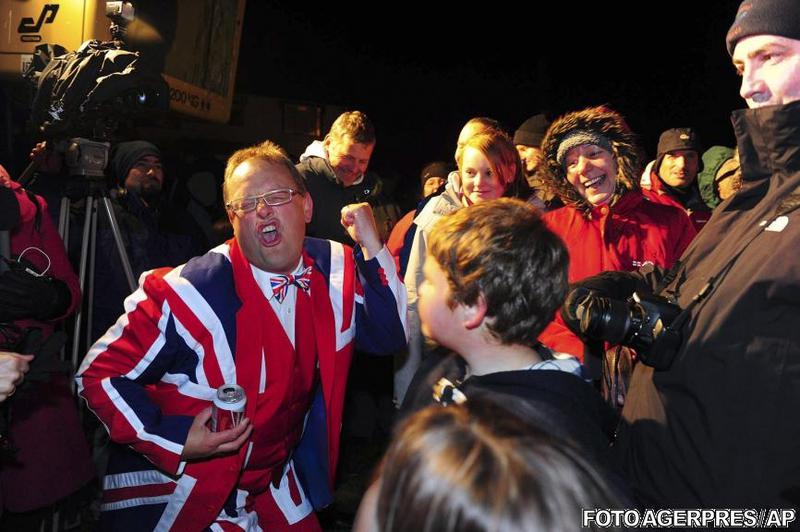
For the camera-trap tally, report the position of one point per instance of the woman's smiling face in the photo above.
(592, 170)
(479, 182)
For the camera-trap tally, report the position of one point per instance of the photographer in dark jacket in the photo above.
(154, 234)
(718, 428)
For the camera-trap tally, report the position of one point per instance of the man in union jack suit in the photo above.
(270, 310)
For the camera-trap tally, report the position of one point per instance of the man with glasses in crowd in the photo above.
(270, 310)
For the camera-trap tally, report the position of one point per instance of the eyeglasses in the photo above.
(273, 198)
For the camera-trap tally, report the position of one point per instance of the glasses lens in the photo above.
(244, 204)
(278, 197)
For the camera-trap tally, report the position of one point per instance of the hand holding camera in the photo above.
(615, 308)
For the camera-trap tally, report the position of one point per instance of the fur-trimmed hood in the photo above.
(608, 123)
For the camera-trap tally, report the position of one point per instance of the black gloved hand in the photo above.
(617, 286)
(576, 297)
(24, 295)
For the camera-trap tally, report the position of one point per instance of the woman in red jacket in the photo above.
(592, 163)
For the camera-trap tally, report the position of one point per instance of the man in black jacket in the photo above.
(335, 170)
(718, 427)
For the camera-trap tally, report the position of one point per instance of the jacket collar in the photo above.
(768, 140)
(323, 167)
(624, 204)
(688, 197)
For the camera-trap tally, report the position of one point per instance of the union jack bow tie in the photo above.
(280, 283)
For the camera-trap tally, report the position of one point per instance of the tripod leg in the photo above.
(63, 232)
(123, 255)
(63, 221)
(5, 249)
(90, 281)
(76, 337)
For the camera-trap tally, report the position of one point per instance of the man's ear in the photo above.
(474, 314)
(308, 206)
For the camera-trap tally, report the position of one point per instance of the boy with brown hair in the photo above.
(494, 277)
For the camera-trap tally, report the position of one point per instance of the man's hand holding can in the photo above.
(229, 428)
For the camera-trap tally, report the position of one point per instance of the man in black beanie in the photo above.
(155, 234)
(716, 426)
(673, 178)
(136, 166)
(527, 139)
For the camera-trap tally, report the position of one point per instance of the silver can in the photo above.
(228, 408)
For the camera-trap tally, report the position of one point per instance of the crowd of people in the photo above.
(557, 326)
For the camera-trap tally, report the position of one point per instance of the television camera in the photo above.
(81, 101)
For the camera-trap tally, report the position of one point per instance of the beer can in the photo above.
(228, 408)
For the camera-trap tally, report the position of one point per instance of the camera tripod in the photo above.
(87, 160)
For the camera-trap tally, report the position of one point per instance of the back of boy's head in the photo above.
(502, 250)
(483, 466)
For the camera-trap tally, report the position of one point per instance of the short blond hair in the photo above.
(495, 462)
(268, 152)
(353, 124)
(480, 124)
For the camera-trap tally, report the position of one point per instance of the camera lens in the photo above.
(605, 318)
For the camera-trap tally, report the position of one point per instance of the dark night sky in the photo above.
(420, 75)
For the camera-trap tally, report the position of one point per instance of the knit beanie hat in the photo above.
(579, 137)
(678, 138)
(765, 17)
(435, 169)
(127, 154)
(532, 131)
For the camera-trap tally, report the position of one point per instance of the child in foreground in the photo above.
(494, 277)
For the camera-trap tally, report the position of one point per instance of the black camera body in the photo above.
(643, 322)
(92, 91)
(95, 90)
